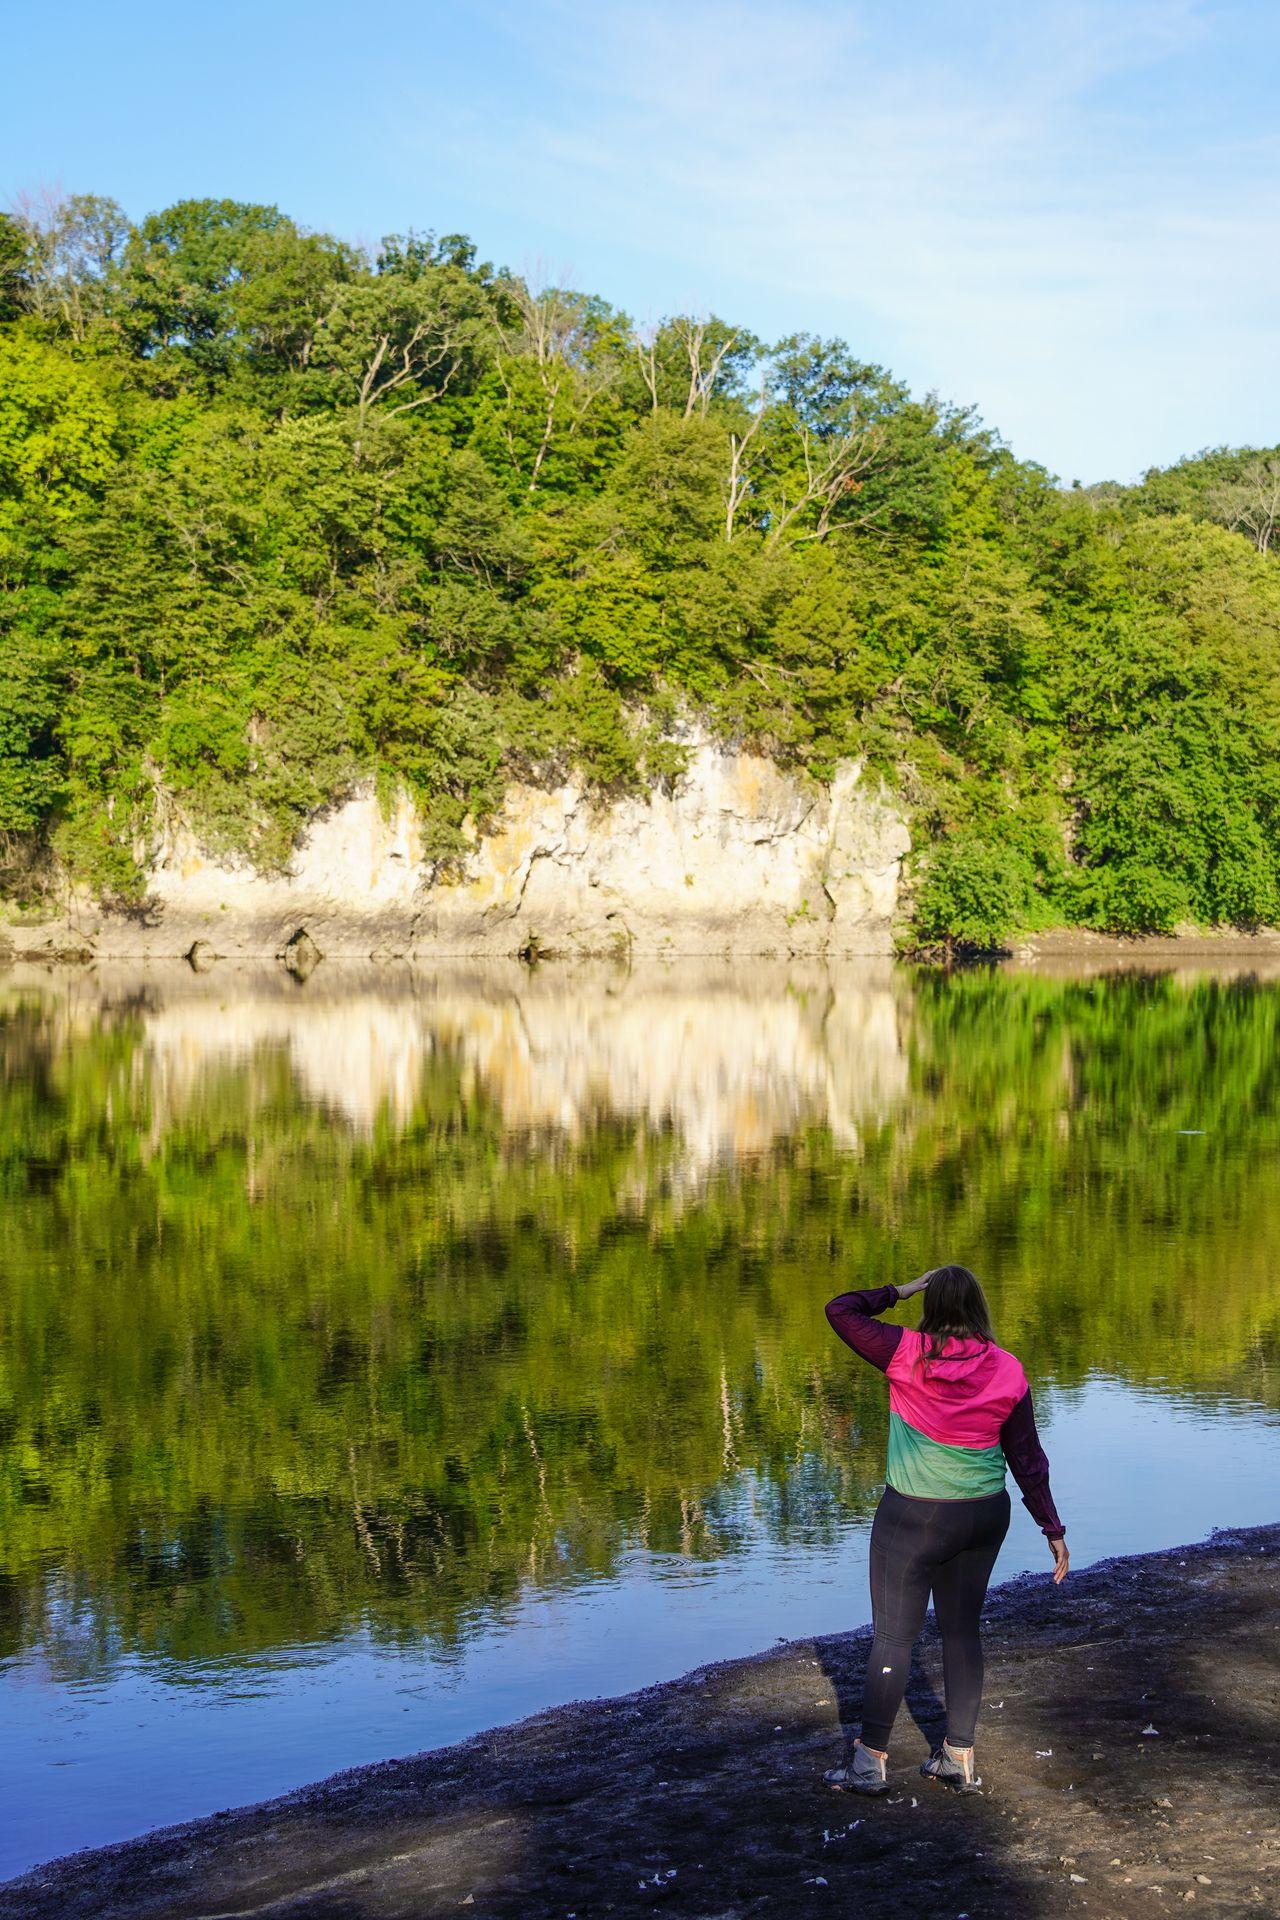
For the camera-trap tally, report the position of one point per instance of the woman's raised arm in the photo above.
(853, 1317)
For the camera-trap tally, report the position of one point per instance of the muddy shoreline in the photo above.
(297, 943)
(705, 1796)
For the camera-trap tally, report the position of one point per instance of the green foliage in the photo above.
(276, 519)
(14, 268)
(30, 774)
(57, 430)
(184, 274)
(1238, 487)
(970, 896)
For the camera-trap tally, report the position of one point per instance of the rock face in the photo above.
(740, 857)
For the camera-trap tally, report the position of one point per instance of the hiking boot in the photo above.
(952, 1767)
(865, 1773)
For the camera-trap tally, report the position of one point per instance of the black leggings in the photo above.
(949, 1547)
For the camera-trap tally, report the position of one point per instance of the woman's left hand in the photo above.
(915, 1286)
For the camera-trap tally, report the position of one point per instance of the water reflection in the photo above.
(379, 1315)
(727, 1059)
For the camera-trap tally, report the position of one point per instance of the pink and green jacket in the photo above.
(958, 1420)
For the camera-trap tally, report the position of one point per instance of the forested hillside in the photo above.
(276, 516)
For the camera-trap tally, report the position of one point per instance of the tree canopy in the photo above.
(277, 515)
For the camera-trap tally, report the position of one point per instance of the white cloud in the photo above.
(1004, 201)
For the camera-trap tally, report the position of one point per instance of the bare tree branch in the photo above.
(1252, 504)
(740, 477)
(555, 334)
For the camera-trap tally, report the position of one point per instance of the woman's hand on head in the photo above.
(1061, 1561)
(915, 1286)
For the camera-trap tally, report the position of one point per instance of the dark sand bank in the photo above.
(705, 1796)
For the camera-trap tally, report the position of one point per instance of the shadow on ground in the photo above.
(705, 1797)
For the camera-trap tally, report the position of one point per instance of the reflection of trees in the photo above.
(261, 1377)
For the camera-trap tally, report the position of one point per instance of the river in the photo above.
(391, 1356)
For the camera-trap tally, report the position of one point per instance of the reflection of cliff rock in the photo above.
(739, 857)
(360, 1059)
(730, 1066)
(728, 1060)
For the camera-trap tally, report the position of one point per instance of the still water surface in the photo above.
(390, 1357)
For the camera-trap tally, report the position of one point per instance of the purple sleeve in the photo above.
(851, 1316)
(1029, 1467)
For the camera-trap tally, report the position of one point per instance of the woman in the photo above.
(959, 1411)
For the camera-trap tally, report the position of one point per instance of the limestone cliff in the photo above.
(739, 857)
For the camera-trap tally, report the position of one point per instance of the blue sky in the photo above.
(1060, 210)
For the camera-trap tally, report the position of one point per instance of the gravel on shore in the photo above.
(1130, 1748)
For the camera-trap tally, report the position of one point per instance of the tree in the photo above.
(562, 354)
(72, 247)
(57, 434)
(560, 539)
(691, 363)
(1238, 487)
(969, 897)
(822, 448)
(1251, 504)
(14, 268)
(289, 283)
(395, 344)
(183, 273)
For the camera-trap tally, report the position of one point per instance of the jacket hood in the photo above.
(968, 1365)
